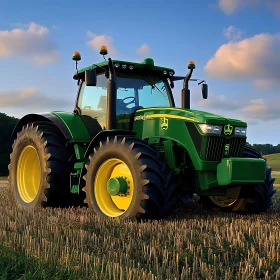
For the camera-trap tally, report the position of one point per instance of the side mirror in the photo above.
(204, 90)
(90, 77)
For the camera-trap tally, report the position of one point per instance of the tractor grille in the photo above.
(215, 147)
(212, 148)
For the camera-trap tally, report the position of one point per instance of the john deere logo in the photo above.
(226, 149)
(164, 123)
(228, 129)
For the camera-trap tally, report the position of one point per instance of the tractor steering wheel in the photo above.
(88, 108)
(129, 97)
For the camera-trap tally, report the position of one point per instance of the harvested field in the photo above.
(192, 244)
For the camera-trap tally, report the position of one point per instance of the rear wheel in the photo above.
(254, 199)
(127, 178)
(39, 170)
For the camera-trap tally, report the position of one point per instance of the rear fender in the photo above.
(71, 125)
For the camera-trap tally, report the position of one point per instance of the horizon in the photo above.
(238, 55)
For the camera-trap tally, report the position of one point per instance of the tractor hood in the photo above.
(187, 115)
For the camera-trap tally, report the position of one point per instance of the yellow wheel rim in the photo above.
(113, 206)
(28, 174)
(228, 199)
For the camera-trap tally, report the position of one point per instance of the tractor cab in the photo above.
(136, 86)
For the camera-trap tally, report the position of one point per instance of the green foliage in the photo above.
(264, 149)
(15, 265)
(277, 149)
(7, 125)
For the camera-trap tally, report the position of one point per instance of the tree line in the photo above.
(266, 149)
(8, 123)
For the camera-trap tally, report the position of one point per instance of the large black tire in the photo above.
(251, 200)
(153, 181)
(53, 181)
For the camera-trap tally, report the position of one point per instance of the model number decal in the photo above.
(139, 118)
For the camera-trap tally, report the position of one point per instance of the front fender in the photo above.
(103, 135)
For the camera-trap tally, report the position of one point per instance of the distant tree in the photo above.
(7, 125)
(277, 148)
(264, 149)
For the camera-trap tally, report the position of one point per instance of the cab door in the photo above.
(92, 101)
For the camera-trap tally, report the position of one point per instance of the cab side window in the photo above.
(93, 100)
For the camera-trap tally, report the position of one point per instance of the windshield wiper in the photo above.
(153, 86)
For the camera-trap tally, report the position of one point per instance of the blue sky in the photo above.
(235, 44)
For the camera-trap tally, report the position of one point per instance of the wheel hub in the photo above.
(117, 186)
(28, 174)
(113, 187)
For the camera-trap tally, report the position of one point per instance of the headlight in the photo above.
(210, 128)
(240, 131)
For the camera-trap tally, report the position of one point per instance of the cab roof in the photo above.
(147, 67)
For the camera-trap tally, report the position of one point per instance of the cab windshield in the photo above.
(144, 91)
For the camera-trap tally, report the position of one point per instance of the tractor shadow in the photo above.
(194, 209)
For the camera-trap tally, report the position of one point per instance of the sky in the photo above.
(234, 43)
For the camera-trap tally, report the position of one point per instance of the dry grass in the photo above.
(276, 175)
(192, 244)
(273, 161)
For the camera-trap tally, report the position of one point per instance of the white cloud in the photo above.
(30, 98)
(231, 6)
(258, 109)
(218, 102)
(252, 111)
(30, 41)
(254, 58)
(96, 41)
(232, 33)
(144, 49)
(266, 84)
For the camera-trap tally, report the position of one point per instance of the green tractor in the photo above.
(126, 151)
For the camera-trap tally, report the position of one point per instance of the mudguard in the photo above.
(72, 126)
(103, 135)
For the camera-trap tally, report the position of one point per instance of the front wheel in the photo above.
(127, 178)
(258, 198)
